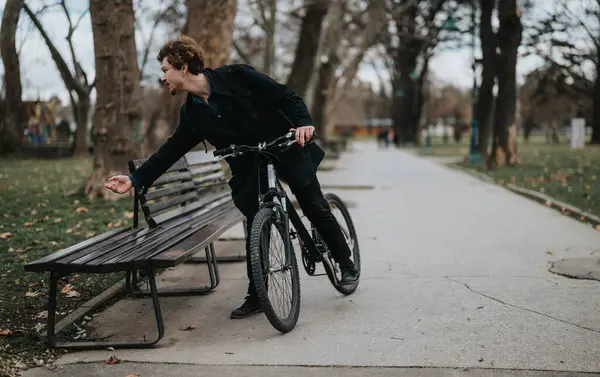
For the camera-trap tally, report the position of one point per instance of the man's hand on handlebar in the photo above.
(303, 134)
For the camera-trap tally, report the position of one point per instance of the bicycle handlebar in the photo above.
(236, 149)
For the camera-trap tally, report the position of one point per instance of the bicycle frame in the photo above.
(275, 191)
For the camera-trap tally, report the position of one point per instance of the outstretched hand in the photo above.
(119, 184)
(303, 133)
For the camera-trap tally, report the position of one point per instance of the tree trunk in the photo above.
(118, 106)
(211, 24)
(14, 118)
(405, 63)
(81, 110)
(308, 44)
(485, 98)
(509, 39)
(270, 26)
(322, 92)
(596, 117)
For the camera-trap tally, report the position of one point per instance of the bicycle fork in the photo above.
(280, 209)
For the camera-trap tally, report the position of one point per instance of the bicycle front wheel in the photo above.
(274, 268)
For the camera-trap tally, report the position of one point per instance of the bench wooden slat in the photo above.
(156, 220)
(207, 216)
(178, 165)
(206, 169)
(103, 247)
(150, 244)
(174, 177)
(197, 241)
(43, 264)
(167, 191)
(171, 202)
(145, 236)
(208, 178)
(200, 157)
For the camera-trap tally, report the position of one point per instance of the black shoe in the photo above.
(349, 274)
(250, 307)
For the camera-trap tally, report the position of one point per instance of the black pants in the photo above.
(315, 208)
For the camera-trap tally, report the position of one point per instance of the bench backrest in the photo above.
(195, 181)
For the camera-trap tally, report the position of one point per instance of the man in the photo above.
(234, 104)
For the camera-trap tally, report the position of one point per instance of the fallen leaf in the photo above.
(57, 220)
(36, 242)
(43, 314)
(5, 332)
(73, 294)
(128, 214)
(112, 360)
(42, 204)
(90, 234)
(75, 202)
(5, 235)
(133, 375)
(110, 349)
(34, 212)
(189, 328)
(81, 209)
(28, 223)
(67, 288)
(549, 252)
(32, 294)
(597, 227)
(548, 203)
(69, 231)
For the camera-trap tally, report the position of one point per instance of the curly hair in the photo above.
(183, 50)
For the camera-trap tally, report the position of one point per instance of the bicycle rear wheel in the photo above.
(274, 268)
(342, 215)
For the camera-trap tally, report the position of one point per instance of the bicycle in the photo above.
(276, 209)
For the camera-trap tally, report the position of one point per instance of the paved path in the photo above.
(455, 275)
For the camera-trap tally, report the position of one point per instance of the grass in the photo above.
(570, 176)
(43, 211)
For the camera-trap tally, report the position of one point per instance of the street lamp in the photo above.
(474, 155)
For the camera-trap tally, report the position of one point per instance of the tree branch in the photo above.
(241, 53)
(61, 65)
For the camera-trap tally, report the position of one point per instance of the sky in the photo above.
(41, 79)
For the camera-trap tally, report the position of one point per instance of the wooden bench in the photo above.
(186, 210)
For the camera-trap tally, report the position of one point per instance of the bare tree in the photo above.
(509, 40)
(14, 115)
(573, 54)
(485, 100)
(308, 44)
(77, 82)
(117, 119)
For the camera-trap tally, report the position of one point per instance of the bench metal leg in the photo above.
(213, 272)
(102, 344)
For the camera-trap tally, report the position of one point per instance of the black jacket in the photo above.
(246, 107)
